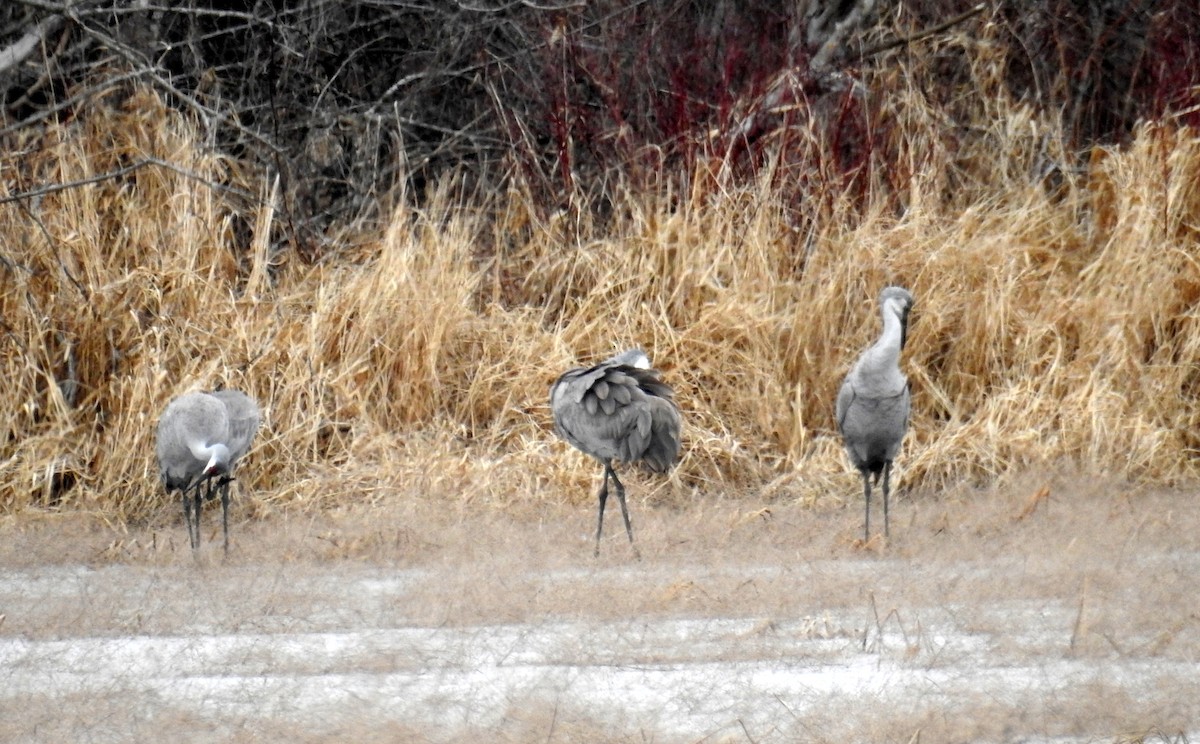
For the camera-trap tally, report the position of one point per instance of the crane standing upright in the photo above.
(873, 403)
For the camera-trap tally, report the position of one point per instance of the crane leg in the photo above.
(187, 512)
(189, 496)
(600, 519)
(225, 510)
(624, 510)
(887, 471)
(867, 498)
(197, 503)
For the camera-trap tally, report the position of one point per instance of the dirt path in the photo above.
(1078, 622)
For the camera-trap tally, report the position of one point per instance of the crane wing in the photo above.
(844, 399)
(617, 411)
(242, 414)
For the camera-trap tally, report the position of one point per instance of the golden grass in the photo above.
(1051, 325)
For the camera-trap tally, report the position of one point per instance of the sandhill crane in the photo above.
(873, 403)
(618, 410)
(201, 436)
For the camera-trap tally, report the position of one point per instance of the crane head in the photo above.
(899, 301)
(218, 461)
(634, 357)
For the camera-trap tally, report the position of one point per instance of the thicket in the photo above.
(395, 223)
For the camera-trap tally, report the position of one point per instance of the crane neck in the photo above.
(891, 341)
(879, 367)
(216, 456)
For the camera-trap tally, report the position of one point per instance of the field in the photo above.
(411, 551)
(1059, 609)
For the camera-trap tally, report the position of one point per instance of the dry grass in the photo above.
(404, 381)
(1093, 543)
(1051, 326)
(1072, 603)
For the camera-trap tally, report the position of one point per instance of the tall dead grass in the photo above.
(1052, 324)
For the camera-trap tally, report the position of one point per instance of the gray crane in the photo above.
(201, 437)
(618, 410)
(874, 402)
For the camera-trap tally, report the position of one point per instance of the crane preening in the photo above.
(201, 437)
(619, 409)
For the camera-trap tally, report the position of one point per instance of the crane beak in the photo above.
(904, 308)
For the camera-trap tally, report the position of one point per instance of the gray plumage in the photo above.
(874, 401)
(619, 409)
(201, 437)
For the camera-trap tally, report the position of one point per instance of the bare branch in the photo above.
(853, 21)
(16, 53)
(120, 172)
(924, 33)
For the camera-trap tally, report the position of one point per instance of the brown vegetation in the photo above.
(1056, 317)
(401, 336)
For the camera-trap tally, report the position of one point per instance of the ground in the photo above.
(1052, 609)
